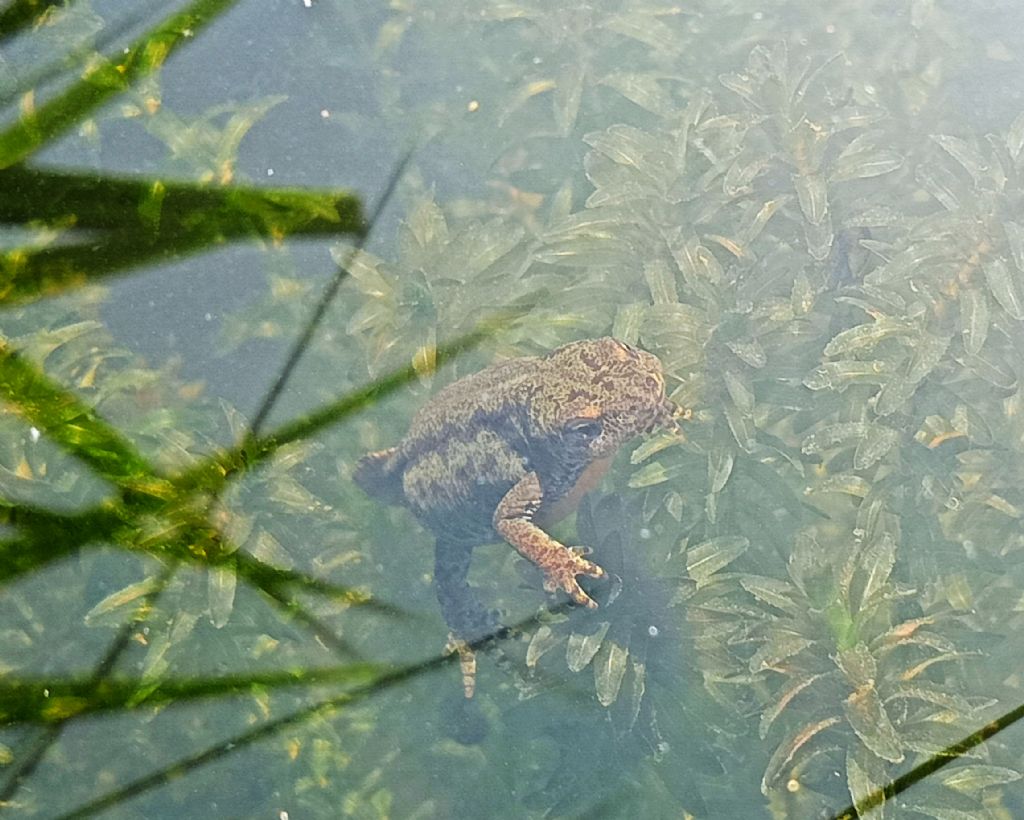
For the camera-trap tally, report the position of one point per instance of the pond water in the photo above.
(810, 213)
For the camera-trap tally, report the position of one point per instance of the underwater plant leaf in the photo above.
(878, 441)
(785, 696)
(832, 435)
(481, 245)
(593, 249)
(772, 591)
(676, 332)
(609, 670)
(857, 664)
(721, 458)
(653, 474)
(871, 723)
(1015, 239)
(738, 180)
(876, 565)
(660, 282)
(653, 445)
(1003, 287)
(628, 321)
(863, 159)
(942, 812)
(840, 374)
(641, 89)
(812, 193)
(697, 264)
(866, 336)
(1015, 137)
(779, 646)
(786, 751)
(105, 78)
(635, 149)
(862, 786)
(847, 483)
(928, 693)
(941, 184)
(708, 557)
(760, 220)
(581, 647)
(646, 29)
(638, 690)
(110, 609)
(975, 318)
(543, 641)
(266, 549)
(742, 428)
(220, 591)
(975, 777)
(750, 352)
(895, 393)
(739, 390)
(568, 95)
(966, 154)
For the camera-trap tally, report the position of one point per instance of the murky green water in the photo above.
(812, 213)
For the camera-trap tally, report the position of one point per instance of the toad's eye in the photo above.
(585, 428)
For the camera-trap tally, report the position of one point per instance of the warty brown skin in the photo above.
(501, 453)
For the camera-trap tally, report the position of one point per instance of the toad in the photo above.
(510, 450)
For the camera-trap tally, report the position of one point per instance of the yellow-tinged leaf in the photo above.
(424, 362)
(63, 707)
(582, 647)
(975, 777)
(221, 583)
(542, 642)
(870, 721)
(785, 752)
(123, 597)
(609, 669)
(24, 470)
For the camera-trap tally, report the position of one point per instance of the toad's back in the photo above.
(465, 449)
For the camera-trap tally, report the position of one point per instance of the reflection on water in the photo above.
(811, 214)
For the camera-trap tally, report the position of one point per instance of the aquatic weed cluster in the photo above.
(819, 588)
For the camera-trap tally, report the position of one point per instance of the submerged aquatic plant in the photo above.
(814, 592)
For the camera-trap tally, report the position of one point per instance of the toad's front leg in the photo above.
(513, 519)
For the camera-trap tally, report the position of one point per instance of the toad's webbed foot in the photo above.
(467, 662)
(560, 569)
(513, 519)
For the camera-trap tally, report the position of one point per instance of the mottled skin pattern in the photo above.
(503, 452)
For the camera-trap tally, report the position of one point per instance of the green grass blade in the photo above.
(169, 208)
(150, 220)
(72, 424)
(55, 700)
(20, 14)
(104, 79)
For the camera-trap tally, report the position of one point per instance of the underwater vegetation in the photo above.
(813, 595)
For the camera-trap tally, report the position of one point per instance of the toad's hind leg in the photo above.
(462, 610)
(466, 617)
